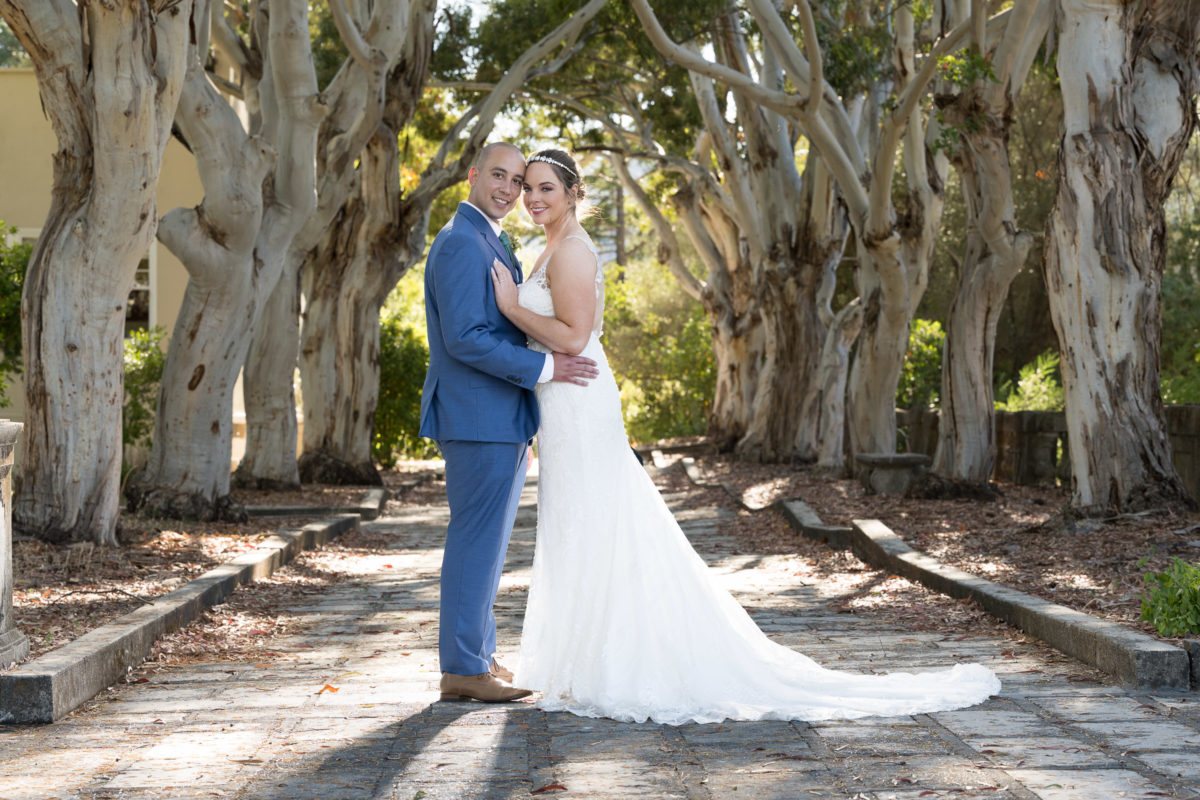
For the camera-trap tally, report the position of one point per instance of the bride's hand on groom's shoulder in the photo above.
(506, 289)
(574, 369)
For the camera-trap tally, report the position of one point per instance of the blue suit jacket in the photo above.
(479, 386)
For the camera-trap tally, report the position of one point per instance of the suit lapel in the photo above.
(477, 220)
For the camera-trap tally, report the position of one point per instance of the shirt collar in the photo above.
(495, 225)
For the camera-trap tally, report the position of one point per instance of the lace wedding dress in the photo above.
(625, 620)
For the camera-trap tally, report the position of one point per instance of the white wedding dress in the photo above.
(625, 620)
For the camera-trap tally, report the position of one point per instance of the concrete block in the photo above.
(13, 644)
(806, 521)
(889, 473)
(368, 508)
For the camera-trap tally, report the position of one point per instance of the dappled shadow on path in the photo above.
(471, 747)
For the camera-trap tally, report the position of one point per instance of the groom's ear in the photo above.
(472, 174)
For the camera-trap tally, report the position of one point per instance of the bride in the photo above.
(624, 618)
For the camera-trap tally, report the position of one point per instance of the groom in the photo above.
(478, 404)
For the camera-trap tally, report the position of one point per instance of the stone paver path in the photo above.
(269, 730)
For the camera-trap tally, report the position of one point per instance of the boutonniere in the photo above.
(514, 241)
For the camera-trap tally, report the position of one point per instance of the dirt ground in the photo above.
(1094, 566)
(62, 592)
(1021, 539)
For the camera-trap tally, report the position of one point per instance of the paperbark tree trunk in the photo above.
(393, 37)
(895, 251)
(894, 245)
(736, 329)
(871, 394)
(777, 232)
(737, 334)
(109, 76)
(824, 413)
(259, 190)
(1129, 75)
(996, 248)
(346, 283)
(268, 391)
(791, 328)
(339, 363)
(996, 251)
(821, 428)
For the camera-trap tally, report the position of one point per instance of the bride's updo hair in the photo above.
(565, 168)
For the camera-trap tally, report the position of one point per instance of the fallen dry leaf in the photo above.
(550, 787)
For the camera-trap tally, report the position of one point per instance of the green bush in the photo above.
(144, 359)
(1180, 355)
(921, 378)
(14, 259)
(1172, 601)
(659, 345)
(1039, 387)
(403, 359)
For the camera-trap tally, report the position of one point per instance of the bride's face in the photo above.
(546, 199)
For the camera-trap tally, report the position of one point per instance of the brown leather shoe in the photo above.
(484, 687)
(500, 671)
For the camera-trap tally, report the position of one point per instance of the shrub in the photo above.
(14, 259)
(144, 358)
(1180, 355)
(1039, 387)
(677, 400)
(1172, 601)
(921, 378)
(403, 359)
(659, 345)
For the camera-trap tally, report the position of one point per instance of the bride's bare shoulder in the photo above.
(574, 257)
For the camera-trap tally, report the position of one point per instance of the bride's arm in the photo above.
(572, 274)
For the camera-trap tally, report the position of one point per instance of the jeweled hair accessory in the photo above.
(549, 160)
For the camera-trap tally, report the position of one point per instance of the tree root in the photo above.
(321, 467)
(244, 480)
(936, 487)
(166, 503)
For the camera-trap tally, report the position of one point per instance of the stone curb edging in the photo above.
(367, 508)
(51, 686)
(1130, 656)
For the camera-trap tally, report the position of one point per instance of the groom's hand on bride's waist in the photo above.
(574, 369)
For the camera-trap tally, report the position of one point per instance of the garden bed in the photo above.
(1022, 539)
(62, 592)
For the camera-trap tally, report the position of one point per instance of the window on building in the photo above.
(137, 308)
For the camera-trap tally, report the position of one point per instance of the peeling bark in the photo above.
(1130, 77)
(109, 75)
(346, 284)
(823, 416)
(259, 190)
(996, 248)
(389, 47)
(894, 250)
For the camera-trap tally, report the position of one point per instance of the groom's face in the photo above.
(496, 183)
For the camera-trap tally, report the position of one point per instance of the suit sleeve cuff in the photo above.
(547, 369)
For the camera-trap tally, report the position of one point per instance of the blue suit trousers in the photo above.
(483, 486)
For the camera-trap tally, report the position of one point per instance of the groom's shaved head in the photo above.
(489, 149)
(496, 179)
